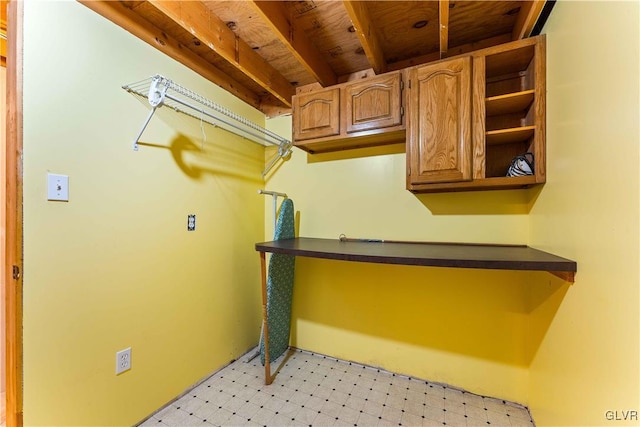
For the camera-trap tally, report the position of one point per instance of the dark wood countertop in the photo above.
(500, 257)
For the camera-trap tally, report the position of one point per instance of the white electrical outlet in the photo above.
(123, 360)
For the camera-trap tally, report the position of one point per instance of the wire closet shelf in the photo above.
(160, 91)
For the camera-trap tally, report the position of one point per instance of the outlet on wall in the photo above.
(123, 360)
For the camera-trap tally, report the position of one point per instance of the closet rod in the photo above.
(226, 122)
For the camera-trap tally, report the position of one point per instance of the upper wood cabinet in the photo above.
(361, 113)
(467, 117)
(439, 131)
(317, 114)
(508, 118)
(373, 103)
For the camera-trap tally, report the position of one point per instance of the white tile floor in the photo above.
(316, 390)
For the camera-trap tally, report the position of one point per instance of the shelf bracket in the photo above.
(567, 276)
(144, 126)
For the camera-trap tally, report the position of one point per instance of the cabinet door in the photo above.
(440, 123)
(373, 103)
(316, 114)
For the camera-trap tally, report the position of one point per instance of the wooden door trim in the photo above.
(13, 221)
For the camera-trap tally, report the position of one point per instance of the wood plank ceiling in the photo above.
(261, 51)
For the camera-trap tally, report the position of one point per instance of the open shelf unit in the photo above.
(513, 102)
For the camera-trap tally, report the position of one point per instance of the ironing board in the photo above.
(277, 292)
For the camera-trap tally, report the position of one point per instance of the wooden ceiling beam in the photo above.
(3, 16)
(366, 32)
(196, 18)
(443, 18)
(3, 31)
(124, 17)
(3, 53)
(293, 37)
(271, 107)
(527, 17)
(453, 51)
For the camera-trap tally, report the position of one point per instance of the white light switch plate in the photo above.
(57, 187)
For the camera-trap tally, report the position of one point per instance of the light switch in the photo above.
(57, 187)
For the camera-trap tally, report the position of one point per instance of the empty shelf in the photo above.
(509, 103)
(509, 136)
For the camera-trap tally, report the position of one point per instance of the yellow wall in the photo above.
(588, 359)
(462, 327)
(115, 267)
(570, 352)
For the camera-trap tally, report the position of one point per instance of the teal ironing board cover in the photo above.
(280, 287)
